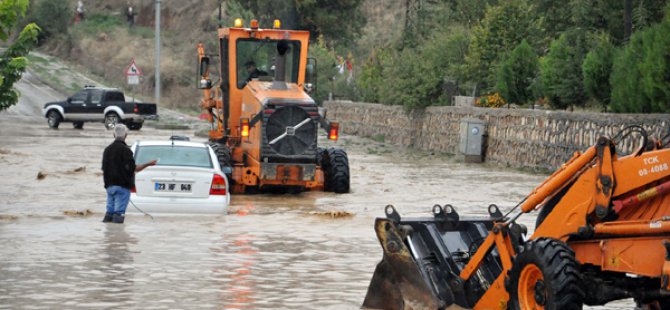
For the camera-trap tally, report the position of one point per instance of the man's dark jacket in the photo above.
(118, 165)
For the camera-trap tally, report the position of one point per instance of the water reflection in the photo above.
(117, 265)
(241, 289)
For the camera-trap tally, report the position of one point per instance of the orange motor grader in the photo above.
(602, 234)
(263, 123)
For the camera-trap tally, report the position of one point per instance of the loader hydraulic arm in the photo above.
(558, 179)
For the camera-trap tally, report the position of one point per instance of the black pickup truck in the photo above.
(96, 104)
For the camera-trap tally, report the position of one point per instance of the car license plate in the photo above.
(172, 187)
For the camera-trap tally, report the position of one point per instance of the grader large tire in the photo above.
(545, 275)
(335, 165)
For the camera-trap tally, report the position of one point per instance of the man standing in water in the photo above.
(118, 168)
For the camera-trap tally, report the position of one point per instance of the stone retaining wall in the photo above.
(517, 138)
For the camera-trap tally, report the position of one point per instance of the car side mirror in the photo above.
(69, 99)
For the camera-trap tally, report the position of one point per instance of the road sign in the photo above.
(133, 70)
(133, 73)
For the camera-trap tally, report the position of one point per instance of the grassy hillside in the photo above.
(104, 44)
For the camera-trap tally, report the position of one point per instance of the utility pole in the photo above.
(157, 84)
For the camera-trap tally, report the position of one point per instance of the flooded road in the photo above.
(314, 250)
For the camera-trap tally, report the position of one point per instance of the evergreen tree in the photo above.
(501, 30)
(561, 70)
(626, 79)
(338, 21)
(517, 74)
(597, 68)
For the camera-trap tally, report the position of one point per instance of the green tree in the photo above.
(326, 71)
(655, 66)
(561, 70)
(52, 16)
(13, 61)
(502, 29)
(517, 74)
(625, 79)
(414, 77)
(470, 12)
(597, 68)
(640, 79)
(339, 21)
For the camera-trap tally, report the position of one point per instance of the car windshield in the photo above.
(168, 155)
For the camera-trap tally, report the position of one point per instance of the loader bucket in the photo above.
(422, 261)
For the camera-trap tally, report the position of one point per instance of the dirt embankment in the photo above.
(106, 51)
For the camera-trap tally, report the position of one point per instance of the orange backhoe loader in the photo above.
(263, 123)
(602, 234)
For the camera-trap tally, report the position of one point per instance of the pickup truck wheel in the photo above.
(54, 119)
(78, 125)
(111, 119)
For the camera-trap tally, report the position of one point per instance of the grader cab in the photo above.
(602, 234)
(263, 123)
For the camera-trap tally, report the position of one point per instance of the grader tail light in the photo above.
(244, 127)
(334, 131)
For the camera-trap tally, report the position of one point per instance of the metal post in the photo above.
(158, 52)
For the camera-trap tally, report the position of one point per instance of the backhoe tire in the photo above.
(224, 156)
(54, 119)
(545, 275)
(111, 119)
(78, 125)
(335, 165)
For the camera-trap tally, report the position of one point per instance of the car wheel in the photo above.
(54, 119)
(335, 165)
(78, 125)
(111, 119)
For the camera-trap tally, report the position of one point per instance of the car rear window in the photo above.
(168, 155)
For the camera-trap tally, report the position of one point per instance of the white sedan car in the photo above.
(187, 179)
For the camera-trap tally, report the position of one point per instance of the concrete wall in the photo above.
(515, 138)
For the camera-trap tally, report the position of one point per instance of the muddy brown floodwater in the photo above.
(314, 250)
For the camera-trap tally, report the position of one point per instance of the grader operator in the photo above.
(263, 123)
(602, 234)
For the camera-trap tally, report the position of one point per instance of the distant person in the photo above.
(118, 169)
(79, 12)
(130, 16)
(253, 72)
